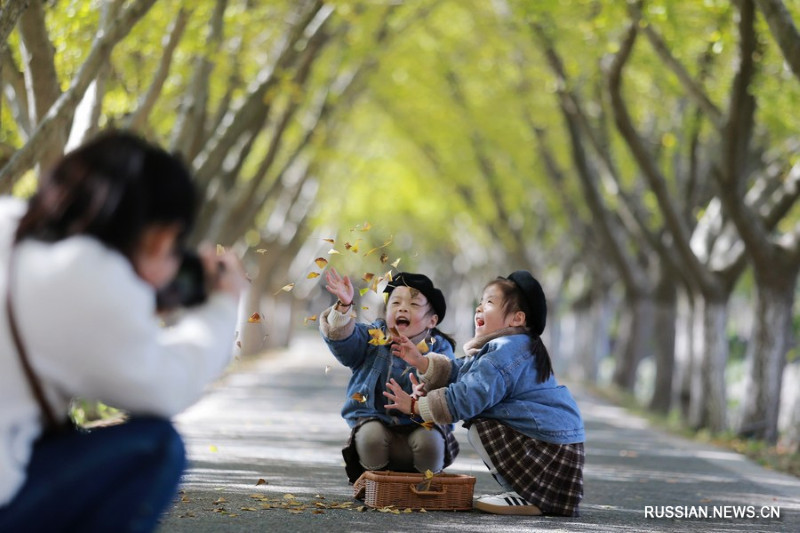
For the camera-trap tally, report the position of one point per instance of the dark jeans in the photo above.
(118, 478)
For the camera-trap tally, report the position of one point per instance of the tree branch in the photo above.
(783, 30)
(63, 108)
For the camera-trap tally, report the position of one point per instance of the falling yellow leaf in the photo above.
(329, 240)
(363, 291)
(354, 248)
(308, 319)
(332, 251)
(364, 307)
(254, 318)
(321, 262)
(261, 251)
(396, 262)
(394, 332)
(428, 474)
(379, 337)
(422, 346)
(312, 275)
(286, 288)
(215, 450)
(384, 258)
(368, 276)
(357, 396)
(384, 245)
(220, 249)
(366, 227)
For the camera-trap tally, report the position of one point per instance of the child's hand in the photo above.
(418, 389)
(401, 399)
(339, 286)
(406, 350)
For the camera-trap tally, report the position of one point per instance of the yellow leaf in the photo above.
(428, 474)
(365, 307)
(308, 319)
(289, 497)
(396, 262)
(213, 449)
(312, 275)
(368, 276)
(379, 337)
(384, 258)
(329, 240)
(354, 248)
(363, 291)
(261, 481)
(332, 251)
(246, 509)
(220, 249)
(254, 318)
(394, 332)
(261, 251)
(422, 346)
(384, 245)
(321, 262)
(286, 288)
(357, 396)
(366, 227)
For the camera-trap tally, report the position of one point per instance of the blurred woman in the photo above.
(80, 265)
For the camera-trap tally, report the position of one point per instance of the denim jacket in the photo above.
(499, 382)
(372, 366)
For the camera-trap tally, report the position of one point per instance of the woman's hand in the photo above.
(406, 350)
(400, 398)
(225, 271)
(341, 287)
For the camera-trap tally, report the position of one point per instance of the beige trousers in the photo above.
(381, 448)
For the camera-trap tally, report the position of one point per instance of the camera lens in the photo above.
(188, 288)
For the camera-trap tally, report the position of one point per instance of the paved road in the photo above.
(265, 451)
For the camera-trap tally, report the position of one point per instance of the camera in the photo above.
(188, 288)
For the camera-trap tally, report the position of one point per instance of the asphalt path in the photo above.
(265, 455)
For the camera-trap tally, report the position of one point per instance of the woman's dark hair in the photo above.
(513, 301)
(111, 188)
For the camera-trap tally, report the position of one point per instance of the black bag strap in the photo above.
(51, 420)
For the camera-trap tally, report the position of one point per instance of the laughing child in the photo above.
(525, 427)
(381, 438)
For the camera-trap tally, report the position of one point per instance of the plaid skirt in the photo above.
(548, 475)
(352, 465)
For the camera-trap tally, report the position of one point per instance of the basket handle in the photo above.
(418, 492)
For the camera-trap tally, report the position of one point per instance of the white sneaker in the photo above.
(506, 503)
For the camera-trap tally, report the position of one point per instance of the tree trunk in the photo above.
(708, 404)
(664, 336)
(635, 331)
(685, 353)
(772, 339)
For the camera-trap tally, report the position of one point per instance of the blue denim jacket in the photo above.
(372, 367)
(500, 382)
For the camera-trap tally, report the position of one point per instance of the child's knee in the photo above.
(428, 449)
(372, 445)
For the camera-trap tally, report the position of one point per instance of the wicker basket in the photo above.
(406, 490)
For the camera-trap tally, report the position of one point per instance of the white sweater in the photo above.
(89, 325)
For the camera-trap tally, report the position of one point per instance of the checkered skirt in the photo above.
(547, 475)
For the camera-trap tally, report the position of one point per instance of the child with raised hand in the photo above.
(525, 427)
(380, 438)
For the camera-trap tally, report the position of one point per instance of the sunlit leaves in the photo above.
(321, 262)
(254, 318)
(286, 288)
(378, 337)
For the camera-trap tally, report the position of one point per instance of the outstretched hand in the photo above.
(401, 400)
(341, 287)
(406, 350)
